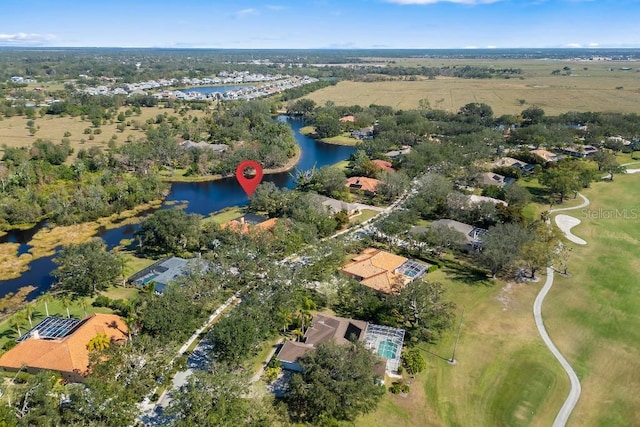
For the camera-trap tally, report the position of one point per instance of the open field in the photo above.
(504, 375)
(593, 314)
(14, 131)
(593, 89)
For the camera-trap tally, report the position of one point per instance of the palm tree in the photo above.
(46, 298)
(16, 321)
(99, 342)
(304, 311)
(28, 313)
(66, 302)
(83, 303)
(122, 267)
(286, 317)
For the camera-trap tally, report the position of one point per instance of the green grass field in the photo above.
(504, 376)
(593, 89)
(593, 315)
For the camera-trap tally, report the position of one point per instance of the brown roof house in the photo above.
(245, 224)
(384, 165)
(368, 185)
(60, 344)
(384, 341)
(490, 178)
(547, 156)
(383, 271)
(324, 328)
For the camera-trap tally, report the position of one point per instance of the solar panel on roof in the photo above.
(52, 327)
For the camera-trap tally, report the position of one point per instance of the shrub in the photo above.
(432, 269)
(399, 387)
(270, 374)
(101, 301)
(413, 361)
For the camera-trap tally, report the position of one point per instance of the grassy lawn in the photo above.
(593, 89)
(133, 263)
(344, 139)
(342, 165)
(365, 214)
(504, 376)
(225, 215)
(14, 132)
(258, 361)
(308, 130)
(593, 314)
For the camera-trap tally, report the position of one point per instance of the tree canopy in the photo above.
(337, 383)
(86, 268)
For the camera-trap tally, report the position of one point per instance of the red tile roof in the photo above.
(376, 269)
(68, 354)
(369, 185)
(384, 165)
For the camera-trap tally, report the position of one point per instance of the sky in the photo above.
(321, 24)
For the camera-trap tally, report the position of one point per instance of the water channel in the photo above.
(200, 197)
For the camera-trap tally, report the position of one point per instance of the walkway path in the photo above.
(574, 393)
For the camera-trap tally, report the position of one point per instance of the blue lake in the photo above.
(201, 197)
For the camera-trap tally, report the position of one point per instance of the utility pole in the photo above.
(455, 346)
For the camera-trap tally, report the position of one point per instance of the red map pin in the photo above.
(249, 175)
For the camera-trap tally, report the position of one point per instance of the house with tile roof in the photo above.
(376, 269)
(383, 165)
(385, 342)
(383, 271)
(249, 222)
(547, 156)
(60, 344)
(490, 178)
(368, 185)
(324, 328)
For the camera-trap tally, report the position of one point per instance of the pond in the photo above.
(200, 197)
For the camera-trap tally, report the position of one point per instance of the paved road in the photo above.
(574, 394)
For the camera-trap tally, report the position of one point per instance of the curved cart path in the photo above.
(574, 392)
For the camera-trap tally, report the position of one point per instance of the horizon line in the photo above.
(323, 48)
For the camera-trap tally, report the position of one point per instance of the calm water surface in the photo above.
(201, 197)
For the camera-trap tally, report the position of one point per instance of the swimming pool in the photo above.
(388, 349)
(147, 279)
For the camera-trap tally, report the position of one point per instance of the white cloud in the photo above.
(422, 2)
(247, 12)
(576, 45)
(594, 44)
(25, 38)
(492, 47)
